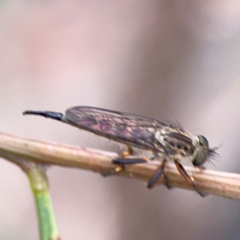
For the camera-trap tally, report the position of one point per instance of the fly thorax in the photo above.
(176, 144)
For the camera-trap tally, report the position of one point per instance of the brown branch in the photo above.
(24, 152)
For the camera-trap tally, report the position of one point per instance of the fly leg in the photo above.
(124, 160)
(185, 175)
(159, 173)
(127, 153)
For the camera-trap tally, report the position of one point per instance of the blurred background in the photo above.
(169, 60)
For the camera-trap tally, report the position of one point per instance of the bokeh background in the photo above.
(169, 60)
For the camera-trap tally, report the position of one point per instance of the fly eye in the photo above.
(203, 141)
(200, 157)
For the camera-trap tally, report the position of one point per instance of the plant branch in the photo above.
(11, 150)
(46, 220)
(24, 152)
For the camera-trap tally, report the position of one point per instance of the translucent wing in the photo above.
(130, 129)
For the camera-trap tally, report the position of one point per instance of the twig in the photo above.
(18, 149)
(11, 150)
(46, 220)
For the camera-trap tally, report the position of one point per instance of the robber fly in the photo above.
(168, 141)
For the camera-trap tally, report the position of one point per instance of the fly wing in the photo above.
(126, 128)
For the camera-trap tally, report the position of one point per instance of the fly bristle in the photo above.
(213, 155)
(212, 152)
(176, 125)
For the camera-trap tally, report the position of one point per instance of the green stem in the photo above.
(46, 220)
